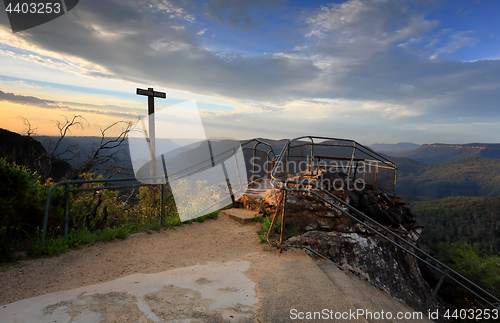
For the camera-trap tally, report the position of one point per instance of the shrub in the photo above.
(107, 234)
(57, 246)
(122, 232)
(468, 260)
(22, 201)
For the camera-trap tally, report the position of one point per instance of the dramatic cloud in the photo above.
(387, 59)
(30, 100)
(73, 107)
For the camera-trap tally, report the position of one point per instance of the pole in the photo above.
(162, 210)
(152, 145)
(66, 211)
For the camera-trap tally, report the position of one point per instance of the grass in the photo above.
(290, 231)
(78, 238)
(266, 224)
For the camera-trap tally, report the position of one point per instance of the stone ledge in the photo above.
(242, 216)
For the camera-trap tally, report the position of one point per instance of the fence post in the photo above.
(66, 211)
(352, 158)
(162, 210)
(435, 291)
(283, 215)
(47, 206)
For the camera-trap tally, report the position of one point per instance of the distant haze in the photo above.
(401, 146)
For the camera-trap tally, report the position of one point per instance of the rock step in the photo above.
(242, 216)
(259, 188)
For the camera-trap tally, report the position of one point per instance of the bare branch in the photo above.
(106, 151)
(28, 131)
(106, 154)
(65, 127)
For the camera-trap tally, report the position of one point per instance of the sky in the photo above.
(375, 71)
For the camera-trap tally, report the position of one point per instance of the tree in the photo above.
(28, 131)
(101, 157)
(106, 152)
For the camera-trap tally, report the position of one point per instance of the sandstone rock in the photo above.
(349, 243)
(374, 258)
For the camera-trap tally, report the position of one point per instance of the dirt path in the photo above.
(213, 241)
(196, 267)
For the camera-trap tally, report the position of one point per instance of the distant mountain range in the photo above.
(470, 176)
(440, 153)
(395, 148)
(431, 171)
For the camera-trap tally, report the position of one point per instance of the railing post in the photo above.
(66, 211)
(162, 208)
(312, 155)
(47, 207)
(283, 214)
(435, 291)
(283, 217)
(238, 168)
(352, 158)
(253, 161)
(395, 175)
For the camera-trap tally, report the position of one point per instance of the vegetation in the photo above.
(464, 233)
(94, 214)
(470, 176)
(469, 260)
(475, 220)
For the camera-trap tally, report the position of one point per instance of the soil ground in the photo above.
(189, 262)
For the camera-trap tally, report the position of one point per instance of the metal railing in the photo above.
(214, 159)
(264, 165)
(279, 180)
(311, 153)
(68, 189)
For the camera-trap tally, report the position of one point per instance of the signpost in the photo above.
(151, 94)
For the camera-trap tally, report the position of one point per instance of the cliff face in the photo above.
(29, 152)
(313, 223)
(19, 149)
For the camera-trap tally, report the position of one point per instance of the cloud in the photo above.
(369, 51)
(73, 107)
(371, 24)
(30, 100)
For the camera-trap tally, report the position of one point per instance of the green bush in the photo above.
(107, 234)
(100, 215)
(57, 246)
(22, 201)
(20, 190)
(122, 232)
(468, 260)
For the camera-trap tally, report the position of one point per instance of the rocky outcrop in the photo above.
(312, 222)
